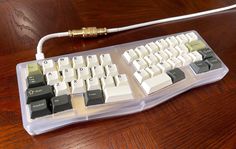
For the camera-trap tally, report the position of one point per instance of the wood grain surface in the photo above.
(204, 117)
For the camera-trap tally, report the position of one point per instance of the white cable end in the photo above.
(39, 56)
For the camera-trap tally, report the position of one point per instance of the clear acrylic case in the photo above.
(141, 101)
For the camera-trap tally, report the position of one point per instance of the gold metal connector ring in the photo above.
(87, 32)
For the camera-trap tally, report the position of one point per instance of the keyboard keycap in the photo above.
(69, 74)
(53, 77)
(213, 62)
(61, 88)
(107, 81)
(78, 62)
(121, 79)
(78, 86)
(98, 71)
(111, 70)
(200, 67)
(182, 39)
(63, 63)
(162, 44)
(35, 80)
(156, 83)
(172, 41)
(206, 53)
(130, 55)
(93, 97)
(119, 93)
(105, 59)
(191, 36)
(151, 59)
(153, 70)
(152, 47)
(164, 66)
(176, 75)
(141, 75)
(83, 73)
(39, 108)
(195, 45)
(61, 103)
(38, 93)
(33, 69)
(92, 60)
(48, 66)
(93, 84)
(141, 51)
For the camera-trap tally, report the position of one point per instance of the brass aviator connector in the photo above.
(87, 32)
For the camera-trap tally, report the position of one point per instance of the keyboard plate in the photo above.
(141, 101)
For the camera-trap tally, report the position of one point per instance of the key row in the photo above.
(175, 45)
(70, 74)
(76, 62)
(171, 63)
(81, 86)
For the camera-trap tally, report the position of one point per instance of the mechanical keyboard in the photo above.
(113, 81)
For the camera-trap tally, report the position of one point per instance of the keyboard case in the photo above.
(141, 101)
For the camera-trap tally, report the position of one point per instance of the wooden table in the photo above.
(204, 117)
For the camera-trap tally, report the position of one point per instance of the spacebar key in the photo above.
(118, 93)
(156, 83)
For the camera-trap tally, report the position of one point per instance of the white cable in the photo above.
(39, 55)
(113, 30)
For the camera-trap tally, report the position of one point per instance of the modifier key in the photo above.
(38, 93)
(176, 75)
(39, 108)
(61, 103)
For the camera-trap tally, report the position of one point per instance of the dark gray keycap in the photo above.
(200, 67)
(176, 75)
(35, 80)
(94, 97)
(213, 62)
(38, 93)
(39, 108)
(61, 103)
(206, 53)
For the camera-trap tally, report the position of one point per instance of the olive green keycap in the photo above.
(195, 45)
(33, 69)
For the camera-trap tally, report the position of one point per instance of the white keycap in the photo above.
(171, 63)
(164, 66)
(98, 71)
(156, 83)
(52, 77)
(172, 41)
(105, 59)
(141, 51)
(162, 44)
(182, 39)
(78, 86)
(182, 49)
(111, 70)
(153, 70)
(92, 60)
(158, 56)
(78, 61)
(93, 84)
(152, 47)
(139, 64)
(48, 66)
(173, 51)
(107, 81)
(130, 55)
(185, 59)
(118, 93)
(197, 55)
(61, 88)
(141, 75)
(191, 36)
(121, 79)
(63, 63)
(68, 74)
(163, 55)
(83, 73)
(151, 59)
(168, 53)
(175, 62)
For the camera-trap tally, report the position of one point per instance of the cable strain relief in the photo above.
(39, 56)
